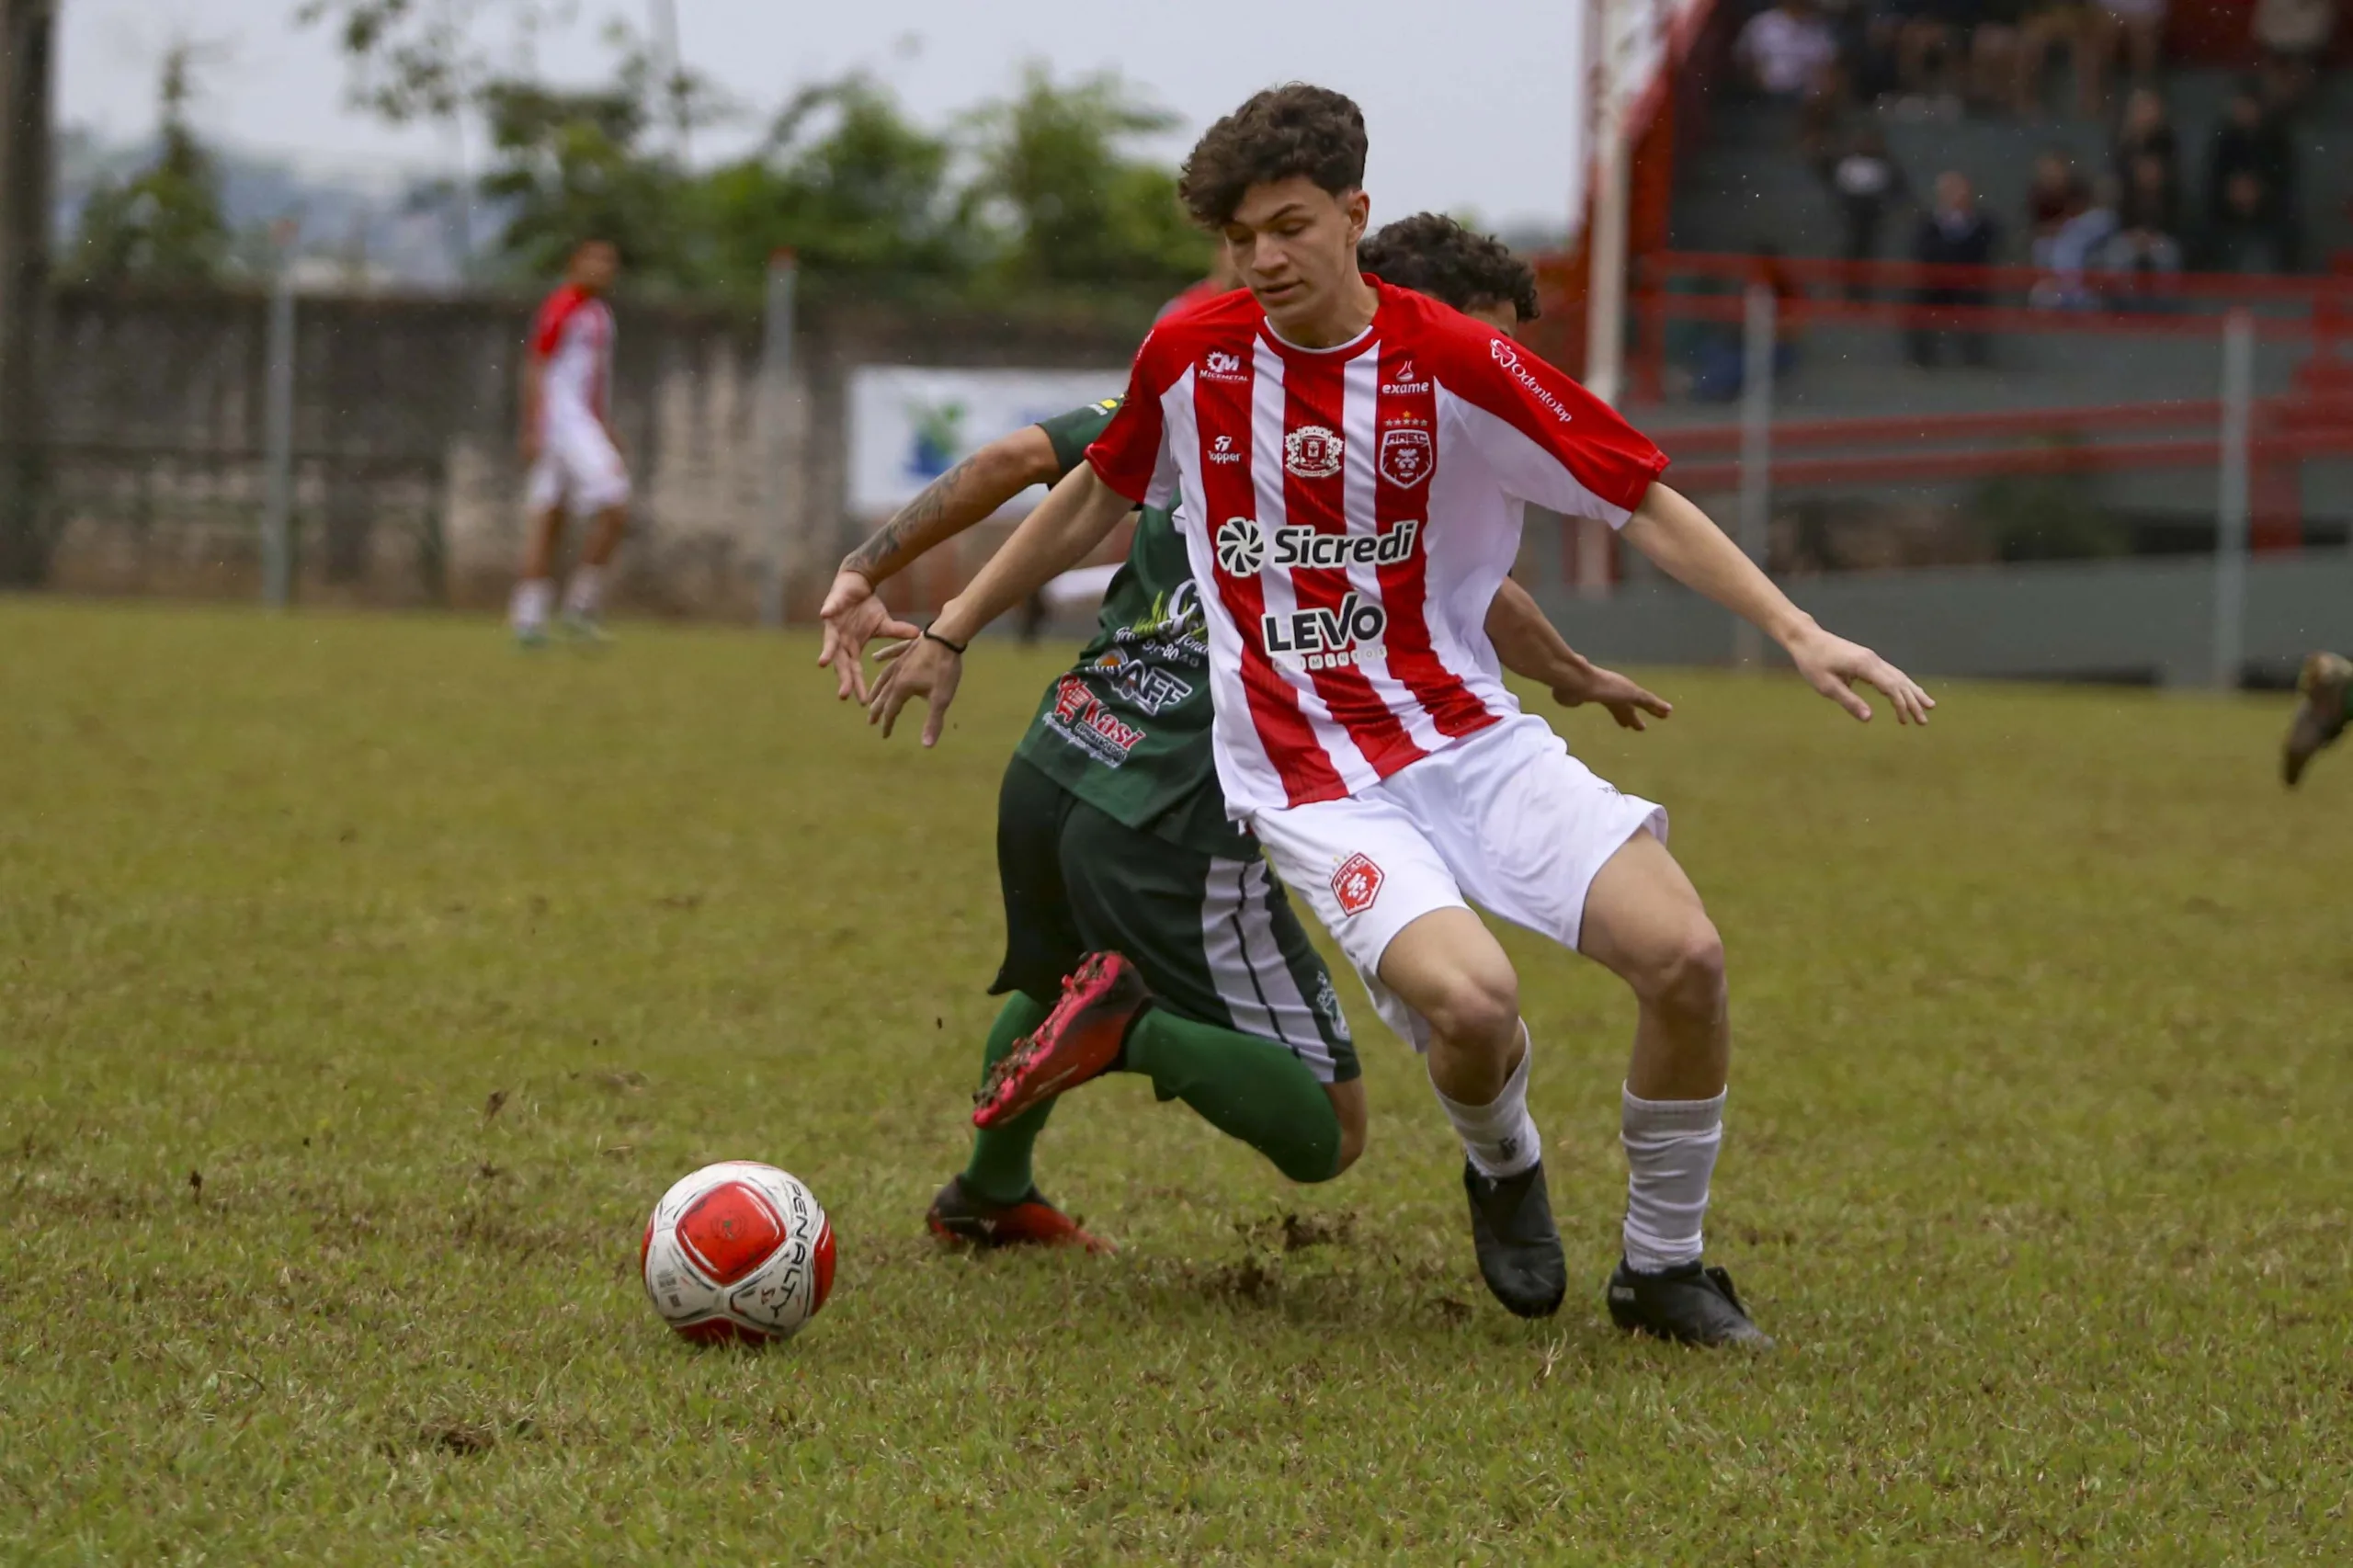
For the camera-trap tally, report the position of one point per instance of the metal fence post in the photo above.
(278, 437)
(2231, 514)
(1755, 452)
(776, 384)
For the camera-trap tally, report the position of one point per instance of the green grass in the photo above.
(2039, 1160)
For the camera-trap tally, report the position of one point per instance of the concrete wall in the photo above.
(408, 487)
(2137, 621)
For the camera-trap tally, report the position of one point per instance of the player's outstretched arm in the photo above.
(1080, 513)
(1530, 645)
(1682, 542)
(854, 614)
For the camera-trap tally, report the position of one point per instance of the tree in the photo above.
(1077, 207)
(166, 222)
(845, 180)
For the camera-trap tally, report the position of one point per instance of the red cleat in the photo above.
(959, 1218)
(1079, 1038)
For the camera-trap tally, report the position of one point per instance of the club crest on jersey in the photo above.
(1312, 452)
(1326, 638)
(1356, 884)
(1406, 457)
(1241, 546)
(1217, 365)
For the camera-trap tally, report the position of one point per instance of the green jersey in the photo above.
(1128, 728)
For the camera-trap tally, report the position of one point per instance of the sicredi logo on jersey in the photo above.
(1241, 547)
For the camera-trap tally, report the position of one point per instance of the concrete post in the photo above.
(2231, 512)
(778, 488)
(1755, 452)
(27, 66)
(277, 436)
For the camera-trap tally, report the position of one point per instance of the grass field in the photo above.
(2038, 1161)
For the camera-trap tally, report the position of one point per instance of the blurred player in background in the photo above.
(1112, 833)
(2321, 690)
(568, 448)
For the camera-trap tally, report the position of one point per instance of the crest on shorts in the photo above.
(1355, 884)
(1312, 452)
(1406, 457)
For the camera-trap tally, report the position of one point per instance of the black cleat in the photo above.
(1519, 1251)
(1692, 1305)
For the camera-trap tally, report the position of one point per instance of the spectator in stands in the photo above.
(2253, 158)
(1868, 183)
(2148, 223)
(2136, 29)
(1955, 233)
(2079, 244)
(2293, 35)
(1785, 51)
(2055, 195)
(2242, 235)
(2146, 132)
(2042, 27)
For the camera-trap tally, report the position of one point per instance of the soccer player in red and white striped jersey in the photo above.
(1351, 462)
(568, 447)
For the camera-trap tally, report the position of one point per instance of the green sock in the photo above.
(1245, 1087)
(999, 1168)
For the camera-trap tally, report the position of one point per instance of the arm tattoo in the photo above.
(913, 521)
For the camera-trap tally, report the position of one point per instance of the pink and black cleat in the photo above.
(1079, 1040)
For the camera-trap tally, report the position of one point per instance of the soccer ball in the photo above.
(738, 1253)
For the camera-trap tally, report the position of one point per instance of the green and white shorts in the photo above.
(1215, 938)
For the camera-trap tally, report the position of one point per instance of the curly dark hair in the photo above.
(1431, 253)
(1292, 130)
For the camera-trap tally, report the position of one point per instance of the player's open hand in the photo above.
(1833, 665)
(1627, 702)
(855, 614)
(923, 668)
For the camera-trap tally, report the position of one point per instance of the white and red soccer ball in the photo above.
(738, 1253)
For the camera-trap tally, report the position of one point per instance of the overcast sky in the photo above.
(1469, 104)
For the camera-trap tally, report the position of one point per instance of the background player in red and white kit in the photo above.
(1351, 460)
(575, 464)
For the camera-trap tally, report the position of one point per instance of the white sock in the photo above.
(1670, 1154)
(1501, 1139)
(534, 596)
(587, 593)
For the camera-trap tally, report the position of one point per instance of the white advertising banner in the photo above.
(908, 426)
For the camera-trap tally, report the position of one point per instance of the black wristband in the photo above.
(955, 648)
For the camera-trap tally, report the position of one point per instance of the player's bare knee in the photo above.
(1477, 1010)
(1687, 976)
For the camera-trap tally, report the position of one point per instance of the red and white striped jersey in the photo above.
(1356, 508)
(573, 341)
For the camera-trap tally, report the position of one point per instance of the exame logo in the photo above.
(1326, 638)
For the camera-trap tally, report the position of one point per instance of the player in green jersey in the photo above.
(2322, 686)
(1112, 833)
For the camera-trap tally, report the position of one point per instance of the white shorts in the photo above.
(1507, 817)
(578, 468)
